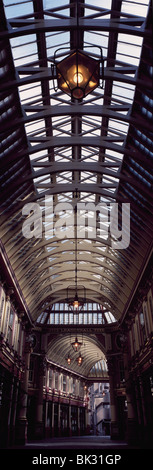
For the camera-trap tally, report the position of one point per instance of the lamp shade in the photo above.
(78, 74)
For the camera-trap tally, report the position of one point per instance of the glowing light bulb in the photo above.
(75, 304)
(78, 77)
(69, 361)
(80, 359)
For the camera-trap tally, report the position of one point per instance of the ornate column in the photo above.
(70, 427)
(142, 401)
(52, 413)
(39, 410)
(10, 409)
(15, 400)
(78, 420)
(59, 418)
(132, 428)
(52, 423)
(22, 418)
(86, 421)
(47, 425)
(113, 403)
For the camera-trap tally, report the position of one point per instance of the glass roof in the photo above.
(90, 314)
(91, 152)
(99, 369)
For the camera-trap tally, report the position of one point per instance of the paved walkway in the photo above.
(69, 452)
(78, 442)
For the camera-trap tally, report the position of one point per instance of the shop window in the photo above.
(146, 320)
(74, 419)
(44, 380)
(6, 319)
(64, 414)
(73, 387)
(1, 309)
(81, 390)
(151, 305)
(50, 378)
(1, 389)
(82, 420)
(15, 335)
(151, 384)
(21, 342)
(142, 328)
(64, 383)
(19, 338)
(10, 327)
(138, 333)
(56, 380)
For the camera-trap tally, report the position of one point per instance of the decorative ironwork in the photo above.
(78, 74)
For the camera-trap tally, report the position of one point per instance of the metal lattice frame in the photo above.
(101, 147)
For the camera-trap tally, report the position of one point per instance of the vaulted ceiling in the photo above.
(59, 348)
(98, 150)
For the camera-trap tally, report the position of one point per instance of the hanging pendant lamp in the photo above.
(68, 359)
(78, 74)
(79, 360)
(76, 345)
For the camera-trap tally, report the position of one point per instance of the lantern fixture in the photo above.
(68, 359)
(77, 303)
(79, 360)
(76, 345)
(78, 74)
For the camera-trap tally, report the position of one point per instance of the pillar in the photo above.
(132, 428)
(142, 401)
(77, 388)
(52, 423)
(47, 379)
(47, 421)
(78, 421)
(114, 429)
(21, 436)
(138, 404)
(59, 419)
(10, 410)
(67, 384)
(47, 428)
(70, 427)
(39, 409)
(59, 382)
(15, 400)
(86, 421)
(53, 379)
(146, 433)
